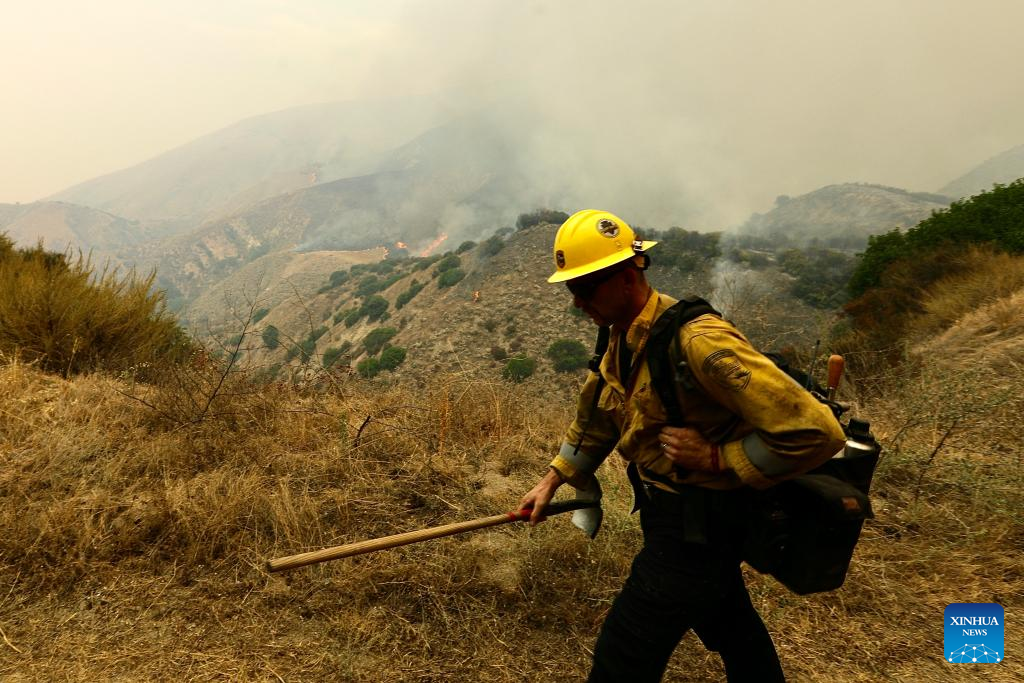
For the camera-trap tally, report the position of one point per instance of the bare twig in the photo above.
(931, 458)
(355, 442)
(13, 646)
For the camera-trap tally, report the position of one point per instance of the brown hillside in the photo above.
(133, 544)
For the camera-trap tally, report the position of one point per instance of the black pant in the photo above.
(676, 585)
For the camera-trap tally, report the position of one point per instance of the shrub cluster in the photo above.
(392, 357)
(376, 340)
(407, 296)
(373, 308)
(821, 275)
(527, 220)
(568, 355)
(492, 246)
(59, 312)
(449, 262)
(271, 337)
(519, 368)
(332, 354)
(450, 277)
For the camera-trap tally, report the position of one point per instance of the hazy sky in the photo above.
(739, 100)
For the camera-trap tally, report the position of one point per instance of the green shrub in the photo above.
(271, 337)
(539, 216)
(450, 277)
(337, 278)
(304, 351)
(821, 275)
(449, 262)
(995, 217)
(568, 355)
(376, 340)
(519, 368)
(392, 357)
(426, 262)
(341, 315)
(332, 354)
(353, 317)
(407, 296)
(317, 333)
(69, 319)
(370, 284)
(374, 308)
(260, 315)
(492, 246)
(465, 246)
(368, 367)
(498, 353)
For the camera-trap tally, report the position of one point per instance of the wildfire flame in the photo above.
(401, 245)
(435, 244)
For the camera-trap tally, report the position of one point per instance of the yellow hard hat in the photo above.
(591, 240)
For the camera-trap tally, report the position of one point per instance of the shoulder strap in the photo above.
(665, 375)
(600, 347)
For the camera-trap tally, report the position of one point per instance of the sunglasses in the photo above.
(585, 287)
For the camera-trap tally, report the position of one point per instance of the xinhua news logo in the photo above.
(974, 633)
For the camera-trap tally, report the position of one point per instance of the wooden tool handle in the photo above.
(835, 373)
(361, 547)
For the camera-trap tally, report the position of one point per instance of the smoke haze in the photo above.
(692, 114)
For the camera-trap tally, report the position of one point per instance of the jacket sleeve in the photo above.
(793, 431)
(599, 437)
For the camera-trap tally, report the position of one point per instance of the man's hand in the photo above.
(687, 448)
(540, 495)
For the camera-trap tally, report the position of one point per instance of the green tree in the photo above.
(465, 246)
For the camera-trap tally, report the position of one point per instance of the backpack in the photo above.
(803, 530)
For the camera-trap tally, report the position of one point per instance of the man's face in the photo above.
(599, 295)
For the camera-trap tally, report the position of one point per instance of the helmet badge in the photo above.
(560, 258)
(608, 228)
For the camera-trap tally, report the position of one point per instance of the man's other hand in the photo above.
(686, 447)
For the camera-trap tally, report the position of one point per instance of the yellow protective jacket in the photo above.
(767, 427)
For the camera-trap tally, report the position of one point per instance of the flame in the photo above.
(435, 244)
(401, 245)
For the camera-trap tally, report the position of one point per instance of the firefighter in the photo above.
(747, 426)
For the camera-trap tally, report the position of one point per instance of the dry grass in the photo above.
(133, 545)
(986, 277)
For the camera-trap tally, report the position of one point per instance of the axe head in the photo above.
(589, 519)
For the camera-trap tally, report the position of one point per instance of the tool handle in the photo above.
(375, 544)
(836, 363)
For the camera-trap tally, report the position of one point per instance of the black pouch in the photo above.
(803, 531)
